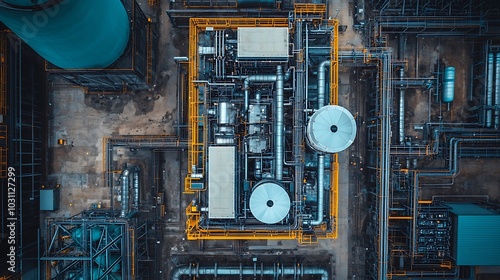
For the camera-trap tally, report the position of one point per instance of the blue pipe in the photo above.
(72, 34)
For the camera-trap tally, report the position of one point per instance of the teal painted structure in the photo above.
(449, 84)
(26, 3)
(74, 34)
(475, 236)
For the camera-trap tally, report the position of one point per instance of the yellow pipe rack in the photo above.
(197, 133)
(307, 10)
(334, 64)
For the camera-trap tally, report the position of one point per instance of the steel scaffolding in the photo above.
(3, 72)
(468, 18)
(3, 104)
(96, 245)
(22, 146)
(429, 7)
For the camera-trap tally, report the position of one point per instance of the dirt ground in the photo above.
(424, 56)
(477, 179)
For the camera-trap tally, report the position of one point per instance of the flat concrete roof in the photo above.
(221, 182)
(263, 42)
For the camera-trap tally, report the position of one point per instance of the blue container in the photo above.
(74, 34)
(449, 84)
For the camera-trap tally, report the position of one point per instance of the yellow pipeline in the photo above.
(197, 132)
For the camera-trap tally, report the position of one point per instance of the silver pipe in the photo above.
(246, 160)
(306, 87)
(322, 82)
(414, 82)
(321, 157)
(489, 89)
(181, 59)
(136, 192)
(385, 144)
(497, 91)
(124, 194)
(321, 192)
(223, 114)
(257, 79)
(453, 170)
(279, 123)
(401, 109)
(401, 116)
(296, 271)
(279, 78)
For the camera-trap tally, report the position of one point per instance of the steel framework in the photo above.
(429, 7)
(198, 126)
(22, 149)
(3, 104)
(151, 142)
(95, 245)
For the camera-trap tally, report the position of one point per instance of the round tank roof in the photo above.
(331, 129)
(269, 203)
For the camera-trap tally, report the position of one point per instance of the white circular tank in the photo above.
(269, 202)
(331, 129)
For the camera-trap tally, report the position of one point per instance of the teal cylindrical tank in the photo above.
(95, 234)
(449, 84)
(71, 34)
(26, 3)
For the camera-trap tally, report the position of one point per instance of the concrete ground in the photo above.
(345, 248)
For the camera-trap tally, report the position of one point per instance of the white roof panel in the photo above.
(263, 42)
(221, 182)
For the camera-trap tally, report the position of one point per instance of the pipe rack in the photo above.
(297, 271)
(158, 142)
(283, 94)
